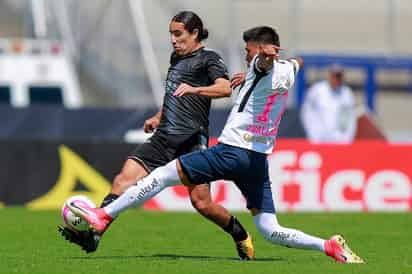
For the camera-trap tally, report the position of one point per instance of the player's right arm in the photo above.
(218, 75)
(220, 88)
(152, 123)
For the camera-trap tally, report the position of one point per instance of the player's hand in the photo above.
(150, 124)
(269, 50)
(237, 80)
(185, 89)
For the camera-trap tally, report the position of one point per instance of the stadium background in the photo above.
(120, 50)
(119, 53)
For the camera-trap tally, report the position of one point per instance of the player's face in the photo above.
(182, 41)
(252, 49)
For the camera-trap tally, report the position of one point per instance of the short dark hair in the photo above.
(249, 34)
(192, 21)
(262, 34)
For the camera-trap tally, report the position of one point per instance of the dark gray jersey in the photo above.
(188, 114)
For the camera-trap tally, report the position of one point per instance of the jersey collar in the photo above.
(193, 53)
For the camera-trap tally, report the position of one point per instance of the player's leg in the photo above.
(131, 172)
(202, 201)
(199, 166)
(136, 195)
(336, 247)
(199, 194)
(140, 161)
(271, 230)
(260, 202)
(219, 162)
(143, 159)
(146, 157)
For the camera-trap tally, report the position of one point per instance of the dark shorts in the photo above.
(162, 148)
(247, 169)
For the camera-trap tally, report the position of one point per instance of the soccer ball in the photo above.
(72, 220)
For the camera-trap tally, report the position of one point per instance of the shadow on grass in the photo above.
(172, 257)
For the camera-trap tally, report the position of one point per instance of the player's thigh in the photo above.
(133, 170)
(218, 162)
(199, 194)
(202, 166)
(256, 186)
(153, 153)
(258, 195)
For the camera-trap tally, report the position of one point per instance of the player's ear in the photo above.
(259, 48)
(196, 33)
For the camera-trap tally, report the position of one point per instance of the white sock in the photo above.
(269, 227)
(136, 195)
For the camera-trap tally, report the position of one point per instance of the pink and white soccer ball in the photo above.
(72, 220)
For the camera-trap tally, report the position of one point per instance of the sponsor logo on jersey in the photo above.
(258, 139)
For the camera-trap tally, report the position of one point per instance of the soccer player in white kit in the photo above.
(240, 156)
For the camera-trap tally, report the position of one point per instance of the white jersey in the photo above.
(329, 115)
(254, 120)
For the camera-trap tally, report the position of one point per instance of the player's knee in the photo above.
(118, 182)
(121, 182)
(202, 206)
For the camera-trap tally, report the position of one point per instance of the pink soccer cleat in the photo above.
(337, 248)
(97, 218)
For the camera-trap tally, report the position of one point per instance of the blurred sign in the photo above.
(365, 176)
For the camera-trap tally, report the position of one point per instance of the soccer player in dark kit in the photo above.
(195, 76)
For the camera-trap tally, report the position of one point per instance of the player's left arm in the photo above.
(297, 63)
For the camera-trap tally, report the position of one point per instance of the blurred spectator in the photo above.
(328, 112)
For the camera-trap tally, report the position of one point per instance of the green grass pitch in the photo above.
(154, 242)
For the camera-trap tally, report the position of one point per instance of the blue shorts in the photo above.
(247, 169)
